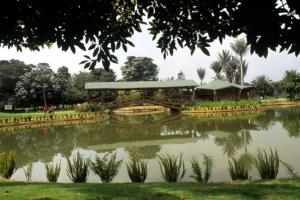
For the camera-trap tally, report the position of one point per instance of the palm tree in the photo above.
(201, 73)
(216, 66)
(263, 85)
(231, 69)
(238, 74)
(241, 48)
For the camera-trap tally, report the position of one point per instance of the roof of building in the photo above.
(219, 85)
(140, 85)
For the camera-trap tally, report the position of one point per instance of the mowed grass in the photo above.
(276, 189)
(7, 115)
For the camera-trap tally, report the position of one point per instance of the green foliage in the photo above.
(52, 171)
(78, 168)
(102, 75)
(139, 69)
(137, 170)
(172, 167)
(28, 171)
(267, 165)
(237, 169)
(207, 165)
(7, 164)
(263, 85)
(83, 107)
(291, 83)
(290, 169)
(106, 168)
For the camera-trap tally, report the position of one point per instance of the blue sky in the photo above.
(273, 66)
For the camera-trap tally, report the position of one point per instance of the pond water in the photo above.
(151, 135)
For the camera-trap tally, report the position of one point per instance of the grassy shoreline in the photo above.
(273, 189)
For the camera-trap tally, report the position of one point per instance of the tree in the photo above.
(180, 76)
(78, 92)
(201, 73)
(262, 85)
(229, 65)
(103, 75)
(241, 48)
(108, 25)
(216, 66)
(10, 73)
(61, 84)
(291, 83)
(139, 69)
(36, 86)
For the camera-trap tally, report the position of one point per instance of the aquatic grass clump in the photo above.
(237, 169)
(7, 164)
(106, 168)
(267, 165)
(172, 167)
(207, 166)
(28, 171)
(52, 171)
(78, 169)
(137, 170)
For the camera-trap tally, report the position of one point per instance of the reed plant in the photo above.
(78, 168)
(137, 170)
(202, 173)
(238, 169)
(106, 168)
(7, 164)
(52, 171)
(267, 165)
(172, 167)
(28, 171)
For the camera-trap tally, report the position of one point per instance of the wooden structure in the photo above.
(173, 93)
(219, 90)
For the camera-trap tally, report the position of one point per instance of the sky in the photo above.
(273, 66)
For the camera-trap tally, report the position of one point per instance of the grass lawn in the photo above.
(6, 115)
(276, 189)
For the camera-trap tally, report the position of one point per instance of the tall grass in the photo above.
(106, 168)
(7, 164)
(207, 166)
(28, 171)
(52, 171)
(78, 168)
(267, 165)
(290, 169)
(172, 167)
(137, 170)
(238, 169)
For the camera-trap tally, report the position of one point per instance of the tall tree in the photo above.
(291, 83)
(263, 85)
(10, 73)
(139, 69)
(77, 91)
(241, 48)
(103, 75)
(216, 66)
(180, 76)
(201, 73)
(61, 84)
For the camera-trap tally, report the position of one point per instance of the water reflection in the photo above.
(146, 136)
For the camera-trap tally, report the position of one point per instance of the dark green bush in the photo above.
(237, 169)
(7, 164)
(172, 167)
(137, 170)
(78, 169)
(267, 165)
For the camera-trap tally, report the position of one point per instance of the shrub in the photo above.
(78, 169)
(106, 168)
(207, 165)
(28, 171)
(267, 165)
(52, 172)
(237, 169)
(83, 107)
(7, 164)
(172, 167)
(137, 170)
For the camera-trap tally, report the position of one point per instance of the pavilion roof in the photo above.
(140, 85)
(219, 85)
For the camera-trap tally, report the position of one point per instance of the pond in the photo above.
(151, 135)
